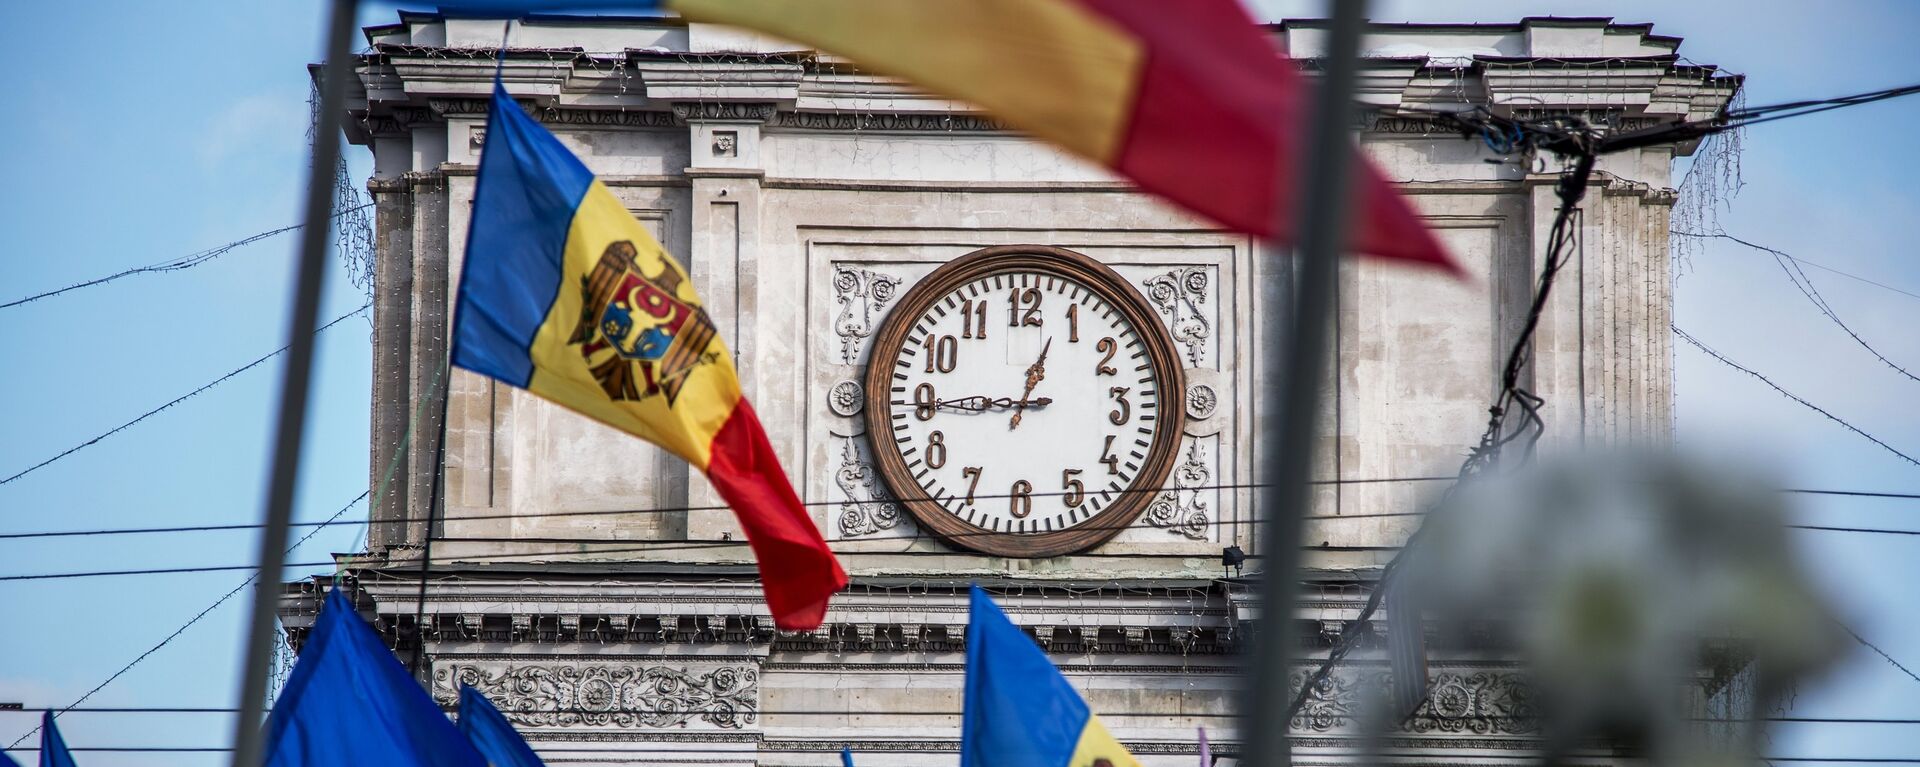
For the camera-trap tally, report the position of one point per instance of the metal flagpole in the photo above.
(248, 734)
(1323, 220)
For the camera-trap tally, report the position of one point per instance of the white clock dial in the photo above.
(1024, 401)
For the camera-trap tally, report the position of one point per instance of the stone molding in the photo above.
(722, 111)
(904, 122)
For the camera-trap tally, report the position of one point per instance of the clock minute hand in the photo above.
(1036, 373)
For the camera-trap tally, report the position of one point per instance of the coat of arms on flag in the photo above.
(631, 321)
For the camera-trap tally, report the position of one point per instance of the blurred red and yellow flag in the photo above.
(1189, 99)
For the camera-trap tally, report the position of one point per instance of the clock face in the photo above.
(1024, 401)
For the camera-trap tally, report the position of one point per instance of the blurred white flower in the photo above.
(1610, 572)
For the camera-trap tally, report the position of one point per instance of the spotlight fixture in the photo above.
(1232, 557)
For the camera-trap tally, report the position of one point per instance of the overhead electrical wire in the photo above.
(1684, 336)
(190, 622)
(1882, 653)
(183, 262)
(175, 401)
(1796, 259)
(377, 493)
(670, 545)
(1800, 280)
(237, 526)
(1740, 118)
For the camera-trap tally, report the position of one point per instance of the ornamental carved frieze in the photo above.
(869, 121)
(1469, 703)
(868, 508)
(1179, 296)
(609, 695)
(1482, 703)
(863, 295)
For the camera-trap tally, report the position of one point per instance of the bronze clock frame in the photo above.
(1170, 416)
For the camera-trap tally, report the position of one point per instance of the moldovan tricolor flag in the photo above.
(1189, 99)
(565, 295)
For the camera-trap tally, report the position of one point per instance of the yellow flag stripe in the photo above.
(1096, 745)
(563, 369)
(1052, 68)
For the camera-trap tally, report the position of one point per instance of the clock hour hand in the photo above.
(1035, 374)
(979, 404)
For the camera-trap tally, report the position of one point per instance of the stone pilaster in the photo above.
(392, 345)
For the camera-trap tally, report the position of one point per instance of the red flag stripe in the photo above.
(797, 570)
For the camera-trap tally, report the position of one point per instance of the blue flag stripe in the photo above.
(53, 748)
(350, 702)
(1019, 708)
(524, 200)
(492, 734)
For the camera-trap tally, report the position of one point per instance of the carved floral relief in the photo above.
(1182, 510)
(863, 295)
(609, 694)
(1478, 703)
(1179, 295)
(868, 507)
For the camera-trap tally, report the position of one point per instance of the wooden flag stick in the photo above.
(1294, 408)
(294, 385)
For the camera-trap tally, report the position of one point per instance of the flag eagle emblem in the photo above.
(636, 334)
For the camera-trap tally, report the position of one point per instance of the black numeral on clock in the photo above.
(1023, 307)
(924, 402)
(943, 353)
(1107, 457)
(936, 449)
(1106, 345)
(1020, 502)
(1076, 492)
(1120, 414)
(973, 475)
(972, 314)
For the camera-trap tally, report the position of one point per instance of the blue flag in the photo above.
(1020, 711)
(350, 702)
(492, 733)
(7, 761)
(53, 748)
(846, 756)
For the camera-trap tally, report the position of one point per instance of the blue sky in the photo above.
(137, 132)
